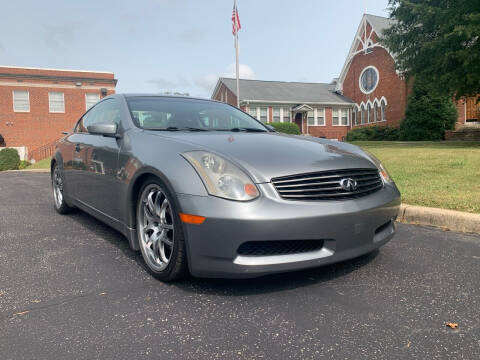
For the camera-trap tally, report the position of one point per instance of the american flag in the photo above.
(236, 18)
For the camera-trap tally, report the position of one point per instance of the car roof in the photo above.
(165, 96)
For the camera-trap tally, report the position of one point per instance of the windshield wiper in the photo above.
(248, 129)
(174, 128)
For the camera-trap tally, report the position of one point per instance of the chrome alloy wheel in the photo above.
(57, 183)
(156, 227)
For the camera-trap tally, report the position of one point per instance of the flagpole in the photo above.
(236, 53)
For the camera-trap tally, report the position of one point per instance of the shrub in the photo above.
(23, 164)
(9, 159)
(428, 114)
(287, 128)
(374, 133)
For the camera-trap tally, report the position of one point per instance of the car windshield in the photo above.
(166, 113)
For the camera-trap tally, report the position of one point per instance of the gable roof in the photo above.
(282, 91)
(378, 24)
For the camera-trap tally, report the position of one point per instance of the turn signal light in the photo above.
(192, 219)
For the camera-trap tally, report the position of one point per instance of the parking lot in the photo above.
(71, 288)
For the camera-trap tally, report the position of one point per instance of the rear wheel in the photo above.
(58, 194)
(160, 234)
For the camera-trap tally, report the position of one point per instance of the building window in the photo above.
(276, 115)
(362, 114)
(310, 118)
(56, 102)
(375, 112)
(344, 114)
(286, 115)
(91, 99)
(368, 79)
(21, 101)
(320, 117)
(252, 112)
(354, 116)
(264, 114)
(369, 110)
(383, 108)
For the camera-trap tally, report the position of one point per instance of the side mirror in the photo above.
(270, 128)
(109, 130)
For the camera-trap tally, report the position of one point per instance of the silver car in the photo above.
(201, 187)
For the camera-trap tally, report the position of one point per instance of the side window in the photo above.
(105, 112)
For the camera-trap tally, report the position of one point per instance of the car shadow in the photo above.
(231, 287)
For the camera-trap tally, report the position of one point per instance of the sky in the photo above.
(183, 46)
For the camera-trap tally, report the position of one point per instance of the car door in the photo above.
(95, 160)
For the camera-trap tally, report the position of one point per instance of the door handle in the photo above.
(77, 148)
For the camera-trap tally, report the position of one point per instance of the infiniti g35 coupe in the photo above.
(201, 187)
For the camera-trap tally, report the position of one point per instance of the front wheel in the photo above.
(58, 191)
(160, 234)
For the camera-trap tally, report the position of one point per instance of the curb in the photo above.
(445, 219)
(30, 170)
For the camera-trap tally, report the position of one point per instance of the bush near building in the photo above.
(9, 159)
(374, 133)
(287, 128)
(428, 114)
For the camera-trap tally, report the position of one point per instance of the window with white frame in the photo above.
(252, 111)
(264, 114)
(335, 119)
(375, 112)
(310, 118)
(320, 117)
(56, 102)
(91, 99)
(286, 115)
(21, 101)
(276, 115)
(354, 116)
(362, 114)
(369, 108)
(344, 116)
(383, 106)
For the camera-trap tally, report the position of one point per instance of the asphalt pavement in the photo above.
(70, 288)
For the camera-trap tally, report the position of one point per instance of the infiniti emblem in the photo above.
(349, 184)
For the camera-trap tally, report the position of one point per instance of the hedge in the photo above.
(374, 133)
(9, 159)
(287, 128)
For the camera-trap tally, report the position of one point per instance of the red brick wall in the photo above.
(390, 85)
(231, 97)
(40, 127)
(461, 112)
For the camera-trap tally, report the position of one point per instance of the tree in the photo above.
(428, 113)
(437, 40)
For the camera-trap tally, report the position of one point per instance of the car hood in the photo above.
(269, 155)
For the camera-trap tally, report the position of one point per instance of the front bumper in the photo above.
(349, 229)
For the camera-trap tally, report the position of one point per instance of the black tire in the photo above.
(177, 266)
(58, 182)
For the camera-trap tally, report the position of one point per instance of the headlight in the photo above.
(383, 172)
(221, 177)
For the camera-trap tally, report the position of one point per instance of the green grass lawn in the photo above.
(42, 164)
(437, 174)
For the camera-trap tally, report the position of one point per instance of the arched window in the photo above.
(369, 108)
(383, 107)
(354, 116)
(375, 112)
(362, 114)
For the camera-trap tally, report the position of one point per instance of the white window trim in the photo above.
(49, 102)
(13, 101)
(360, 79)
(340, 117)
(289, 112)
(280, 113)
(315, 117)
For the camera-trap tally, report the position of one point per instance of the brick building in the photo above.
(36, 105)
(314, 107)
(369, 91)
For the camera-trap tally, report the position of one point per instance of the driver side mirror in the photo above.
(109, 130)
(270, 128)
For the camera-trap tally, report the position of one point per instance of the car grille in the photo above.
(325, 185)
(279, 247)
